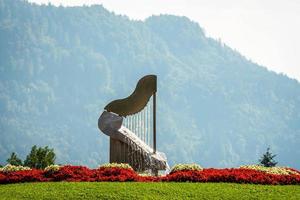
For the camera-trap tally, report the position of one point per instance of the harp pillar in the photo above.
(154, 122)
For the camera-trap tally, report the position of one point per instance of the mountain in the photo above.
(59, 67)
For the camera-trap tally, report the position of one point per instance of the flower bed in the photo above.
(124, 173)
(33, 175)
(233, 176)
(186, 167)
(70, 173)
(13, 168)
(118, 165)
(271, 170)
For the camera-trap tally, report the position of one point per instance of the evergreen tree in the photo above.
(39, 158)
(267, 159)
(14, 160)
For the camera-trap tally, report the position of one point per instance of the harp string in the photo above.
(144, 125)
(141, 124)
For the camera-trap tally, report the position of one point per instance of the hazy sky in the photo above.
(266, 31)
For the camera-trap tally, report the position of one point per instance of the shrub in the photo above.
(184, 167)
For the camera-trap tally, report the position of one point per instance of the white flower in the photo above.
(180, 167)
(52, 168)
(270, 170)
(13, 168)
(119, 165)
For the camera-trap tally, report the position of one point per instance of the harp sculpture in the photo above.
(131, 125)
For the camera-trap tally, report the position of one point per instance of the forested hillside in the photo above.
(59, 66)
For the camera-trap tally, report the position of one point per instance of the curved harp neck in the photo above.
(134, 103)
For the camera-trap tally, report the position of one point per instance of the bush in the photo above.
(40, 158)
(184, 167)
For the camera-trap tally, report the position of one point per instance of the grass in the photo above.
(133, 190)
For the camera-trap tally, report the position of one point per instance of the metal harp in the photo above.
(131, 125)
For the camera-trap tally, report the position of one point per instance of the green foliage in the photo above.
(14, 160)
(40, 157)
(106, 190)
(267, 159)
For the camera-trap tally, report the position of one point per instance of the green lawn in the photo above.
(85, 190)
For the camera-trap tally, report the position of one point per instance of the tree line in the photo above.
(41, 157)
(38, 158)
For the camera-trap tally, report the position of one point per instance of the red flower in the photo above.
(81, 173)
(114, 174)
(24, 176)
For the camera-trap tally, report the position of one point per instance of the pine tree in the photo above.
(14, 160)
(267, 159)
